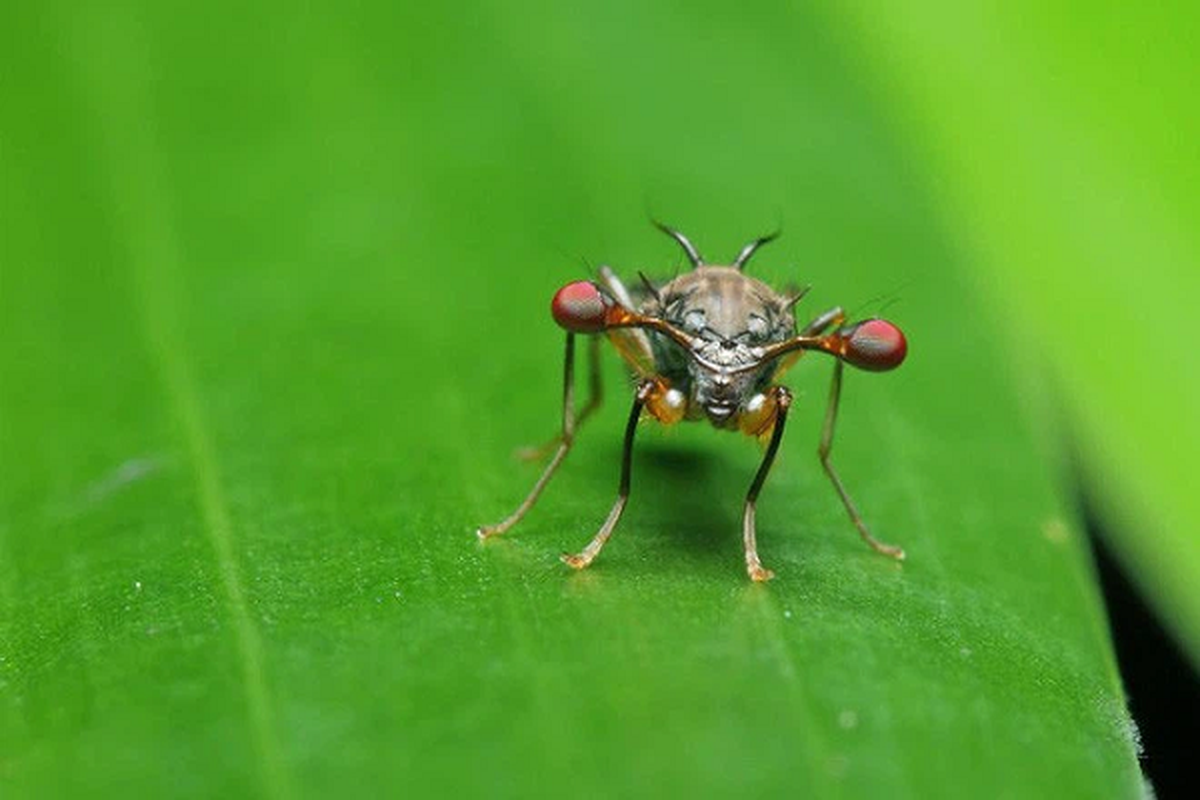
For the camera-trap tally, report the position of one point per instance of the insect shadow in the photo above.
(689, 487)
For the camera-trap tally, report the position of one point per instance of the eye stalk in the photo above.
(579, 307)
(875, 345)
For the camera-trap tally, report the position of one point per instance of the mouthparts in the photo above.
(719, 412)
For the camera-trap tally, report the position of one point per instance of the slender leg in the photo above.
(754, 567)
(595, 398)
(589, 553)
(830, 319)
(835, 391)
(565, 439)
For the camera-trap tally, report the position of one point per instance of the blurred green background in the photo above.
(273, 295)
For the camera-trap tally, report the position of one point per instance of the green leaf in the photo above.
(274, 294)
(1062, 142)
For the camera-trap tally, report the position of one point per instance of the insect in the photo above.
(710, 344)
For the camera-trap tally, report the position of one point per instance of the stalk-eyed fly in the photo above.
(711, 345)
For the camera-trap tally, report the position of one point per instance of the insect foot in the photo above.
(485, 531)
(576, 561)
(760, 574)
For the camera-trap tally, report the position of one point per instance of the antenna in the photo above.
(749, 249)
(692, 254)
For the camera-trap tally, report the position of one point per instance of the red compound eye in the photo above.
(876, 345)
(580, 308)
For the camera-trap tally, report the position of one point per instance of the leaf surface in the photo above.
(274, 295)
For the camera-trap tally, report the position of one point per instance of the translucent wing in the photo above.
(632, 344)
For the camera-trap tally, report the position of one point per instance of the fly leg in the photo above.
(595, 398)
(563, 442)
(782, 400)
(645, 393)
(835, 391)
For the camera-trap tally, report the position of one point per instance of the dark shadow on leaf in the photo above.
(687, 485)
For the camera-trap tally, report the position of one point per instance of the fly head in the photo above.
(730, 317)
